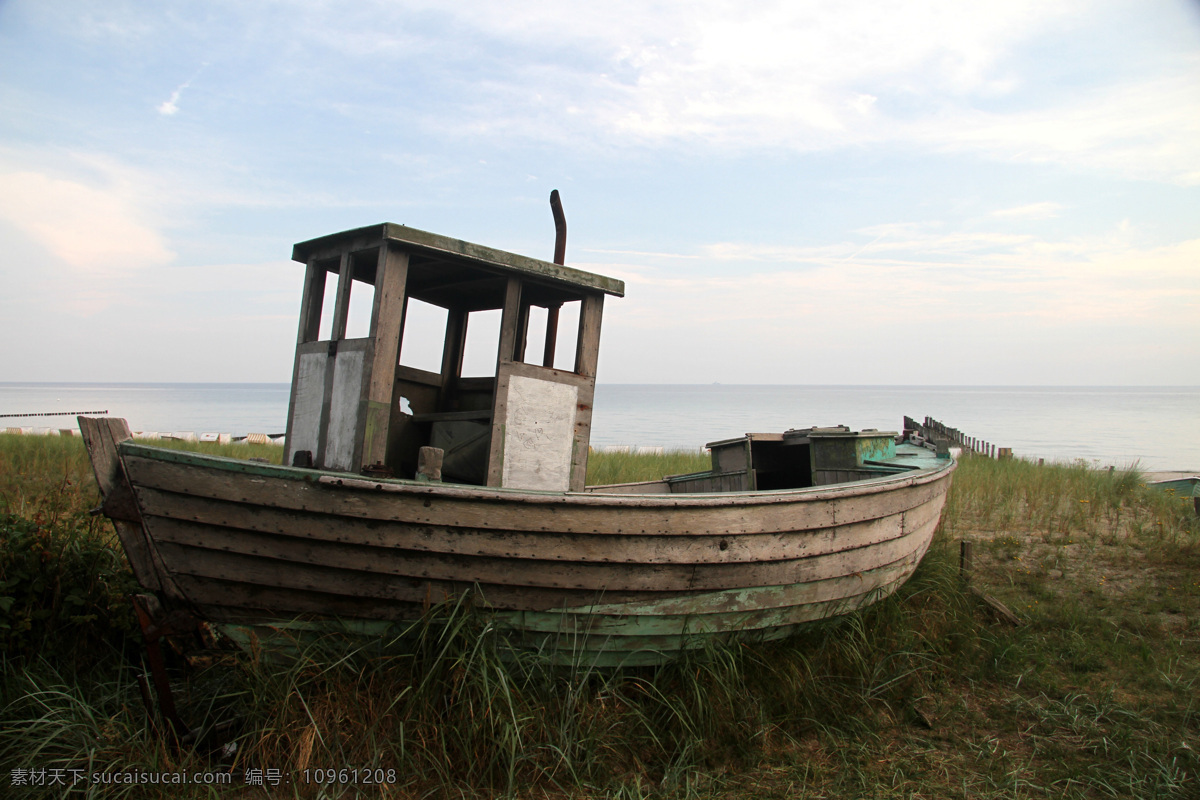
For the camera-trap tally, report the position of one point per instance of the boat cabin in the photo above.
(371, 385)
(795, 459)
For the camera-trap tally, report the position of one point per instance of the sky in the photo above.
(918, 192)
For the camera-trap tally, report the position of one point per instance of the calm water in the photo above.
(237, 408)
(1156, 426)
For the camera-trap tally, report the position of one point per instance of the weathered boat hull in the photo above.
(1184, 488)
(597, 578)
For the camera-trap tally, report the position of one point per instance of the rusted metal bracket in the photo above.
(155, 625)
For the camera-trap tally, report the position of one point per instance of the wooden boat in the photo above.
(358, 526)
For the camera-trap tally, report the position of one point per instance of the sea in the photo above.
(1156, 428)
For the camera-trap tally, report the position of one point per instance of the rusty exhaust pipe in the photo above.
(560, 229)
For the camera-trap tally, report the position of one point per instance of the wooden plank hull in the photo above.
(597, 578)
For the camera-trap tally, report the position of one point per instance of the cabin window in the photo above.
(568, 336)
(424, 336)
(358, 317)
(483, 344)
(328, 305)
(565, 338)
(535, 335)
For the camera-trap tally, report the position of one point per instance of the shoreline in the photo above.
(222, 438)
(1172, 475)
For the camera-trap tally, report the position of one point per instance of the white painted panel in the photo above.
(539, 434)
(310, 396)
(343, 410)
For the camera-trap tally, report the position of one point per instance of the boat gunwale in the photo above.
(591, 497)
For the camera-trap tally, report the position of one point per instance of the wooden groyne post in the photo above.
(934, 430)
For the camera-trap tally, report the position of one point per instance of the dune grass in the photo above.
(922, 695)
(607, 466)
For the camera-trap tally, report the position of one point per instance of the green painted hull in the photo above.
(1181, 487)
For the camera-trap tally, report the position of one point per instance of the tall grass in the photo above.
(607, 466)
(45, 475)
(1060, 499)
(51, 475)
(920, 695)
(459, 717)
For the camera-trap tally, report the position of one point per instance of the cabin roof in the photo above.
(456, 252)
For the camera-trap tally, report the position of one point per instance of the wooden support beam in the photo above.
(508, 322)
(522, 340)
(312, 299)
(311, 302)
(966, 566)
(587, 350)
(452, 353)
(508, 341)
(154, 626)
(551, 336)
(387, 323)
(341, 309)
(1003, 612)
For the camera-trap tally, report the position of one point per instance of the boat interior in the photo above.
(795, 459)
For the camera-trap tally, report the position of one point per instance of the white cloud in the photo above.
(903, 241)
(761, 74)
(99, 229)
(774, 74)
(217, 322)
(996, 277)
(811, 77)
(862, 103)
(1043, 210)
(170, 106)
(1148, 130)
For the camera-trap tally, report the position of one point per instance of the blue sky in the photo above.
(849, 193)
